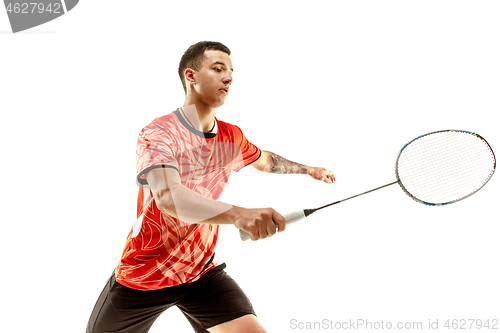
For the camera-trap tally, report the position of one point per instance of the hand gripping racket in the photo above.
(435, 169)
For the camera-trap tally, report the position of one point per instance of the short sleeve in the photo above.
(249, 152)
(155, 149)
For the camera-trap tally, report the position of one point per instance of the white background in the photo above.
(339, 84)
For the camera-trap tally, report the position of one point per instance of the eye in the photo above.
(218, 69)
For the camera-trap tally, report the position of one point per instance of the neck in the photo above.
(202, 118)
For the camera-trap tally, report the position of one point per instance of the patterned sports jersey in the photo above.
(163, 251)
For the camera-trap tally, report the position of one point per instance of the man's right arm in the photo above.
(176, 200)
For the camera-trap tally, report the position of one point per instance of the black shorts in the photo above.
(212, 300)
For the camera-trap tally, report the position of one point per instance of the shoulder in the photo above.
(163, 126)
(166, 121)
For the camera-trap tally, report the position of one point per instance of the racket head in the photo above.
(443, 167)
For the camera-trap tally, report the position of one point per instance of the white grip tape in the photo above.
(294, 216)
(290, 218)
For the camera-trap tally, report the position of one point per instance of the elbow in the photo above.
(262, 164)
(165, 202)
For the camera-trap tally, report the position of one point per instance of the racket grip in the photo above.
(290, 218)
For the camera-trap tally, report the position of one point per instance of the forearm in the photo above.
(176, 200)
(191, 207)
(274, 163)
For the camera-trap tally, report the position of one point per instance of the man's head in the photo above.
(194, 56)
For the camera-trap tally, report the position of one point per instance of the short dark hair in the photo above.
(194, 56)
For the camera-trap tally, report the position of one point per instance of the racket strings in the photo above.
(453, 180)
(445, 166)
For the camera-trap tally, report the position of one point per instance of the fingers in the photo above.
(279, 221)
(263, 223)
(323, 174)
(328, 177)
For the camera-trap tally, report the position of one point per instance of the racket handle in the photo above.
(290, 218)
(294, 216)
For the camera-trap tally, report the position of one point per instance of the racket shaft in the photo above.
(290, 218)
(300, 214)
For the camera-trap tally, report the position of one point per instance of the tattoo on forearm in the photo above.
(278, 164)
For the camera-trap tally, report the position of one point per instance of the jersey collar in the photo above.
(193, 130)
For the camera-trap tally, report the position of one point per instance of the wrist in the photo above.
(231, 216)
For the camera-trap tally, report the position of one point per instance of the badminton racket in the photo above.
(435, 169)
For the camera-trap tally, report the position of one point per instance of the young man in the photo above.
(184, 159)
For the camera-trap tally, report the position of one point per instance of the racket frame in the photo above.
(449, 202)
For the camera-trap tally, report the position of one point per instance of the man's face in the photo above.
(214, 78)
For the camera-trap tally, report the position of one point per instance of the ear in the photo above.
(190, 76)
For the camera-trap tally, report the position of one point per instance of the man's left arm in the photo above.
(274, 163)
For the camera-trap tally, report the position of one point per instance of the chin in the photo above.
(219, 103)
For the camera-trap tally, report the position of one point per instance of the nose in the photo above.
(228, 79)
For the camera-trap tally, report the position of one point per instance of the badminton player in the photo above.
(184, 159)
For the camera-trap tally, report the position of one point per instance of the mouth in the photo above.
(225, 90)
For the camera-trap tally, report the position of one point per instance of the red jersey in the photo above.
(163, 251)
